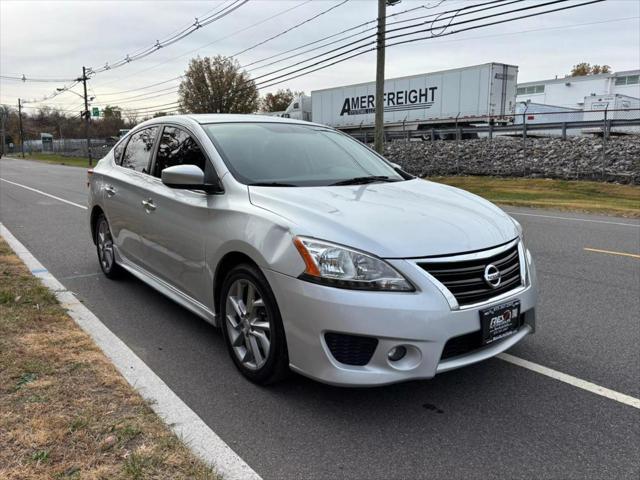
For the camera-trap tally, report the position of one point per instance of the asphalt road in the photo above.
(491, 420)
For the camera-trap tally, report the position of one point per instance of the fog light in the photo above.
(397, 353)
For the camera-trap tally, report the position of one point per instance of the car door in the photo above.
(125, 189)
(175, 231)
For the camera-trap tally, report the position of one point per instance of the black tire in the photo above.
(110, 268)
(276, 362)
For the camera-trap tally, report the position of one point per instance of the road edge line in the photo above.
(60, 199)
(176, 414)
(571, 380)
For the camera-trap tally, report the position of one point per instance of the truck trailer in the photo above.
(479, 94)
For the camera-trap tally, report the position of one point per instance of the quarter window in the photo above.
(138, 152)
(117, 152)
(177, 147)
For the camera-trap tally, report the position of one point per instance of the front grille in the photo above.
(351, 349)
(465, 279)
(467, 343)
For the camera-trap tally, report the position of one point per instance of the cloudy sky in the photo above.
(54, 39)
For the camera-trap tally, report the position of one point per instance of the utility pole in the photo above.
(379, 120)
(20, 124)
(87, 116)
(3, 138)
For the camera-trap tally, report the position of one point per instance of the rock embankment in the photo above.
(571, 159)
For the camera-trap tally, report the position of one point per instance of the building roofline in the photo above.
(581, 78)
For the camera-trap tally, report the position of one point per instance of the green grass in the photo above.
(56, 159)
(583, 196)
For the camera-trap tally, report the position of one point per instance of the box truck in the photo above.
(463, 96)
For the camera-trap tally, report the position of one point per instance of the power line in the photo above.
(143, 88)
(373, 42)
(297, 25)
(475, 6)
(457, 13)
(298, 5)
(171, 40)
(270, 82)
(291, 28)
(24, 78)
(369, 36)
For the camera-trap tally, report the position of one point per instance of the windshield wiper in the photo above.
(271, 184)
(364, 180)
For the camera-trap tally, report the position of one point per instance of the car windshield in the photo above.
(284, 154)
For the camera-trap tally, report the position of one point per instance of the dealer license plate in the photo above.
(499, 321)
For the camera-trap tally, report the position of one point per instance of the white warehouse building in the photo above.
(571, 91)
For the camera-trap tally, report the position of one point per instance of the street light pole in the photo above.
(86, 114)
(20, 124)
(379, 104)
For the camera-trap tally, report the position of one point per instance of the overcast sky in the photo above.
(55, 39)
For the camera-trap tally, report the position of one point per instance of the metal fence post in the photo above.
(433, 135)
(524, 141)
(604, 141)
(457, 146)
(564, 130)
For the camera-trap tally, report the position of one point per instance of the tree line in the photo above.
(210, 85)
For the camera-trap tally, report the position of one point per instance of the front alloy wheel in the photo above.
(248, 324)
(252, 326)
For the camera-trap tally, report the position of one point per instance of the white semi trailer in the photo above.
(463, 96)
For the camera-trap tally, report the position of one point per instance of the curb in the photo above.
(183, 421)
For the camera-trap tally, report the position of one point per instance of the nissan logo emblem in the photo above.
(492, 276)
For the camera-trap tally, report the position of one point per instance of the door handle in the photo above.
(110, 190)
(148, 205)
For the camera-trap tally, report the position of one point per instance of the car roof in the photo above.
(205, 118)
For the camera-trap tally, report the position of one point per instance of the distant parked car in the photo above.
(311, 251)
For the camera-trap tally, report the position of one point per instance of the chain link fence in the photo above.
(69, 147)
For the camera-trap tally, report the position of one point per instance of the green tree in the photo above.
(111, 112)
(279, 101)
(217, 85)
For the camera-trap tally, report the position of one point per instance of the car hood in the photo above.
(413, 218)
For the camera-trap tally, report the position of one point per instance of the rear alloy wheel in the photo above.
(104, 246)
(252, 326)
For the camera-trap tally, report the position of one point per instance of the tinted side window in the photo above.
(177, 147)
(138, 152)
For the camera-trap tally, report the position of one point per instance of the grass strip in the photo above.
(56, 159)
(569, 195)
(65, 411)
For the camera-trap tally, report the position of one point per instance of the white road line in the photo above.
(45, 194)
(563, 377)
(571, 380)
(184, 422)
(636, 225)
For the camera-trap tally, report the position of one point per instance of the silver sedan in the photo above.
(311, 252)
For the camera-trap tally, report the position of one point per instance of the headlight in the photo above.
(518, 227)
(342, 267)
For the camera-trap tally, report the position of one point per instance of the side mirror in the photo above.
(187, 177)
(396, 166)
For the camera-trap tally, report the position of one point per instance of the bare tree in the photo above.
(131, 116)
(217, 85)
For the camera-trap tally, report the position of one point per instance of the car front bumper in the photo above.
(422, 321)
